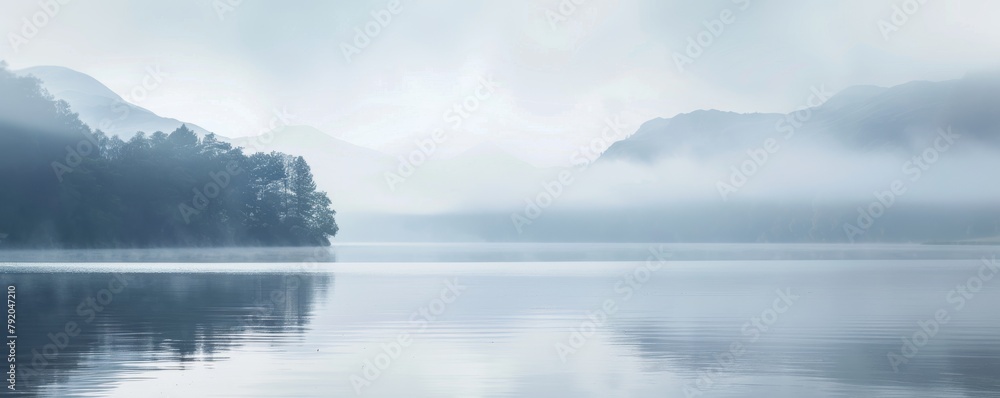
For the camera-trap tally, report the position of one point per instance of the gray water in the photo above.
(512, 320)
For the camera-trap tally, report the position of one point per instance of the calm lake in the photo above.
(509, 320)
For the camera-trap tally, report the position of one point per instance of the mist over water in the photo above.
(806, 325)
(527, 198)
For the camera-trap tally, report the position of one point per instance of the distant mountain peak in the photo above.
(300, 138)
(98, 106)
(59, 79)
(859, 117)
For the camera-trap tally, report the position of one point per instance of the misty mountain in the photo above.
(660, 183)
(66, 187)
(437, 181)
(419, 181)
(99, 107)
(352, 174)
(706, 176)
(699, 133)
(860, 118)
(311, 142)
(484, 176)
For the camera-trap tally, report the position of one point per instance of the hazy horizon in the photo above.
(560, 71)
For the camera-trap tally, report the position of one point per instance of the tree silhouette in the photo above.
(66, 186)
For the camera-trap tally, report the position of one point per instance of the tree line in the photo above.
(64, 185)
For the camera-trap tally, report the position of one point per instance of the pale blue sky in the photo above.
(557, 85)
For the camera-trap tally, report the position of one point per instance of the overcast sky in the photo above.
(559, 73)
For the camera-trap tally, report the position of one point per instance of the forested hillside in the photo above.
(63, 185)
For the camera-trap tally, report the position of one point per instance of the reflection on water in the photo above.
(495, 252)
(83, 331)
(535, 329)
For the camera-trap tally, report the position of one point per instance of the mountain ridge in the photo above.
(903, 117)
(100, 107)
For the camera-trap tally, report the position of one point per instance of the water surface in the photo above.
(518, 321)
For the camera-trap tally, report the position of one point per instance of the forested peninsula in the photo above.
(63, 185)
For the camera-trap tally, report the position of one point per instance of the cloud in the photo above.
(600, 59)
